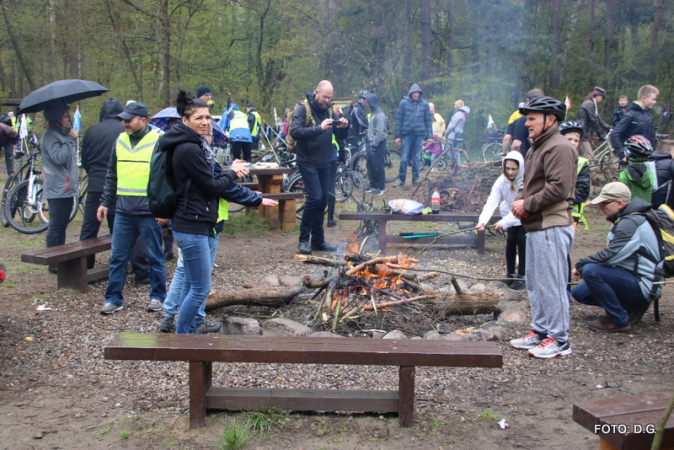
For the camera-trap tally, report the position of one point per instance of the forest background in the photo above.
(271, 52)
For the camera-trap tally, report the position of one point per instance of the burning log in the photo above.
(268, 296)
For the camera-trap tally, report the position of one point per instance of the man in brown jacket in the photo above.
(544, 206)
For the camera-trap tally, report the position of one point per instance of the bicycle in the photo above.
(392, 158)
(31, 145)
(25, 203)
(349, 190)
(492, 150)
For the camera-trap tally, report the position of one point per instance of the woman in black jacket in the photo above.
(198, 192)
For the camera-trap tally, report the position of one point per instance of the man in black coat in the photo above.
(98, 143)
(414, 123)
(620, 110)
(636, 121)
(312, 127)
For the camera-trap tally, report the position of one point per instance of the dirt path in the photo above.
(56, 391)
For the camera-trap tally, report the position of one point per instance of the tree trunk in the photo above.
(407, 57)
(656, 24)
(607, 42)
(165, 51)
(71, 42)
(267, 296)
(554, 78)
(450, 36)
(426, 48)
(19, 54)
(590, 45)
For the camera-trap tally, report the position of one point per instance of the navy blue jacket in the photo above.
(414, 117)
(636, 121)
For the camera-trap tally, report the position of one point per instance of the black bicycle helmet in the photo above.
(571, 127)
(546, 105)
(600, 91)
(363, 94)
(638, 148)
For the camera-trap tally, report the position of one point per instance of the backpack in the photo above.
(161, 194)
(309, 118)
(662, 222)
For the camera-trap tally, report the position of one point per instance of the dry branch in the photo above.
(317, 260)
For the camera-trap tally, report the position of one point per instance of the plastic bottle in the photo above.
(435, 201)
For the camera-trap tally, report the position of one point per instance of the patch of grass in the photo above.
(10, 285)
(125, 433)
(433, 425)
(398, 437)
(488, 414)
(265, 420)
(104, 431)
(323, 429)
(234, 436)
(245, 224)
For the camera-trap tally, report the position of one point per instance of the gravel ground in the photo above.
(56, 391)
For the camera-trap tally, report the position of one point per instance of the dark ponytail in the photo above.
(186, 104)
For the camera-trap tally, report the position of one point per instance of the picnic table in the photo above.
(269, 181)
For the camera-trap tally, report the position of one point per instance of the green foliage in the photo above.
(270, 53)
(234, 435)
(488, 414)
(125, 433)
(265, 420)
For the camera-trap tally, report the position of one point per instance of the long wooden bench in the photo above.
(202, 350)
(626, 423)
(477, 240)
(71, 261)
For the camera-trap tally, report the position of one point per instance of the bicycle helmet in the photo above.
(571, 127)
(363, 94)
(600, 91)
(546, 105)
(638, 148)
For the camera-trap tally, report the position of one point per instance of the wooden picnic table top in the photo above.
(303, 350)
(269, 170)
(442, 216)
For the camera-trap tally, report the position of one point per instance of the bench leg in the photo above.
(480, 242)
(286, 214)
(382, 237)
(200, 381)
(73, 275)
(406, 394)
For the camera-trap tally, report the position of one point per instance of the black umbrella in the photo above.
(66, 91)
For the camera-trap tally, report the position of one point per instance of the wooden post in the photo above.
(73, 274)
(406, 395)
(200, 382)
(382, 236)
(480, 242)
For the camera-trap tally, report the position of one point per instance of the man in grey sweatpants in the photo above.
(544, 206)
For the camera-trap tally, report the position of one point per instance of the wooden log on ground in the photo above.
(272, 297)
(318, 260)
(466, 304)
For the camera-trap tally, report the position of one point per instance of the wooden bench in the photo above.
(626, 423)
(287, 206)
(71, 262)
(384, 239)
(202, 350)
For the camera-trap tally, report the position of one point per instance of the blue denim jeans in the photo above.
(173, 300)
(614, 289)
(196, 281)
(126, 231)
(317, 191)
(410, 151)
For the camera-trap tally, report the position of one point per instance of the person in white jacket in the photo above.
(503, 193)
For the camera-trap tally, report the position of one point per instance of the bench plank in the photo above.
(69, 251)
(626, 411)
(305, 350)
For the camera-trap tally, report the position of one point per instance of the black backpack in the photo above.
(161, 194)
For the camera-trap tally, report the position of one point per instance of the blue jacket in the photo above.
(414, 117)
(635, 121)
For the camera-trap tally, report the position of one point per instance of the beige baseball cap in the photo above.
(612, 192)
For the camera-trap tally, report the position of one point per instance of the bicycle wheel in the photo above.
(349, 191)
(9, 185)
(492, 152)
(82, 198)
(392, 163)
(360, 165)
(22, 213)
(43, 209)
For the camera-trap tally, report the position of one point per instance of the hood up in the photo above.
(516, 156)
(373, 101)
(415, 88)
(111, 107)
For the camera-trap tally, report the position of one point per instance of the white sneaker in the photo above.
(110, 308)
(550, 348)
(154, 305)
(531, 340)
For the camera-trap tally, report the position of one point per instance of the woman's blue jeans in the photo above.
(197, 281)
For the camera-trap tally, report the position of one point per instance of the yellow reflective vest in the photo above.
(133, 164)
(577, 211)
(258, 124)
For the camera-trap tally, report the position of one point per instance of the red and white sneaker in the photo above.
(529, 341)
(550, 348)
